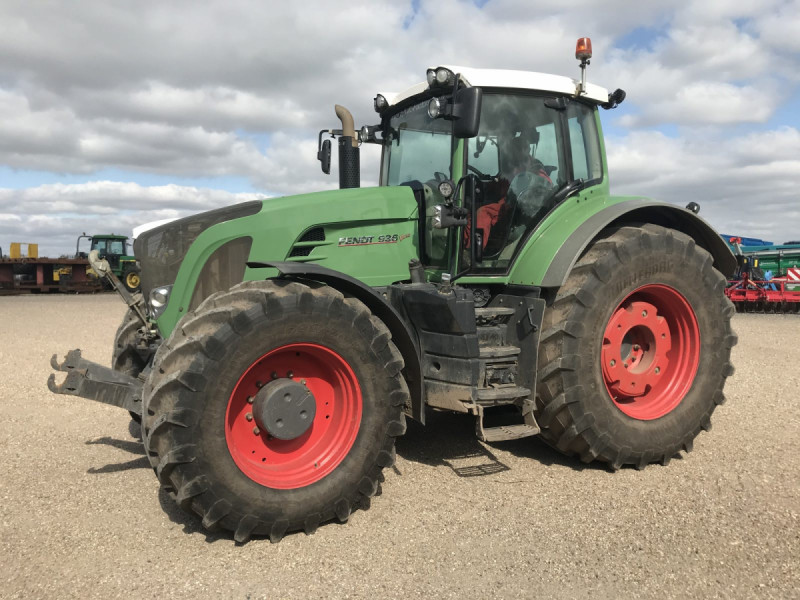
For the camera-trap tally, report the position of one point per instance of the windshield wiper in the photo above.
(567, 189)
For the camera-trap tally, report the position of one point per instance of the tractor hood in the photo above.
(368, 233)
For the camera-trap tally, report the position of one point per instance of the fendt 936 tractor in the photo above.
(278, 346)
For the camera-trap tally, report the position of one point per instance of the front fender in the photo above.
(402, 335)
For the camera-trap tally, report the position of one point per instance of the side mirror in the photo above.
(324, 156)
(467, 112)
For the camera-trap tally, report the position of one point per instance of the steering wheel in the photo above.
(478, 173)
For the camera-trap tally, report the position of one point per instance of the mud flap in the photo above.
(96, 382)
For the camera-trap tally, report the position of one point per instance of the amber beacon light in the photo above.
(583, 49)
(583, 52)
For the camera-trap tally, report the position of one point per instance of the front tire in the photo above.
(635, 349)
(222, 463)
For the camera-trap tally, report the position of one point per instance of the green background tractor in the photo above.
(491, 273)
(114, 249)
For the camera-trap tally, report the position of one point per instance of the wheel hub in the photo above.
(319, 381)
(284, 408)
(650, 352)
(635, 349)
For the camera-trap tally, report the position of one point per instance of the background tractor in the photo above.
(114, 249)
(280, 345)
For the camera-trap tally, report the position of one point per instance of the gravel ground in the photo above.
(82, 514)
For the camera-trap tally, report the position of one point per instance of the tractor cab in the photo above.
(110, 247)
(532, 150)
(489, 154)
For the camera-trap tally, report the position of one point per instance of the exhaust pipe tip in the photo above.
(349, 160)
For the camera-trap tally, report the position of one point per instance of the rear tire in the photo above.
(589, 405)
(196, 399)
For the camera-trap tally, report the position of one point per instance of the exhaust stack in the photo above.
(349, 161)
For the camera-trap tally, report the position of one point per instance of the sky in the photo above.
(120, 113)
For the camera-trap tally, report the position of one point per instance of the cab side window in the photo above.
(584, 143)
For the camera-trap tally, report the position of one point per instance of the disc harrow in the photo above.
(773, 296)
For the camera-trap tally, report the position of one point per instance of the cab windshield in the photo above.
(416, 147)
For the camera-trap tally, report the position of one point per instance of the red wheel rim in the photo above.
(289, 464)
(651, 350)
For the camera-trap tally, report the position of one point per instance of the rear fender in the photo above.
(636, 212)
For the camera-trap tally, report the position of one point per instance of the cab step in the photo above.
(498, 351)
(497, 396)
(507, 432)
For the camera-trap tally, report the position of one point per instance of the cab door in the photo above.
(531, 153)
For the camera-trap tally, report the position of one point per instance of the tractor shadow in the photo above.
(191, 524)
(131, 446)
(449, 440)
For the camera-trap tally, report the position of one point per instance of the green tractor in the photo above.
(114, 249)
(282, 344)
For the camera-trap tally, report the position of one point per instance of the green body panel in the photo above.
(535, 258)
(363, 213)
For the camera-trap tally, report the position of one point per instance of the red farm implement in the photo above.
(772, 296)
(755, 289)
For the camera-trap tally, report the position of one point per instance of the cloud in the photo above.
(745, 185)
(97, 207)
(236, 89)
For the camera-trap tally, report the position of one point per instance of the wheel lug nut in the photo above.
(613, 362)
(644, 313)
(274, 374)
(290, 374)
(658, 370)
(250, 399)
(636, 346)
(249, 416)
(259, 384)
(256, 430)
(303, 381)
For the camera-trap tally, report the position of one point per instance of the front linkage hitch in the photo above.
(96, 382)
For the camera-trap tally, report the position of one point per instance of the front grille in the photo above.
(307, 242)
(313, 235)
(301, 251)
(160, 251)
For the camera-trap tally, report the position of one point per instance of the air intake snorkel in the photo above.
(349, 161)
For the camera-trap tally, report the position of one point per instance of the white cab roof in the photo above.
(140, 229)
(505, 78)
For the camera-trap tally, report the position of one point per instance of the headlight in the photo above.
(158, 300)
(445, 76)
(440, 77)
(435, 108)
(380, 103)
(446, 188)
